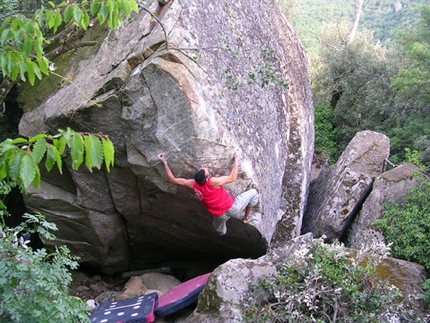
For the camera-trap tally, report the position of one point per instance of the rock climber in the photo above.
(214, 197)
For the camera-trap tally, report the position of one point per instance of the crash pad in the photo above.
(133, 310)
(181, 296)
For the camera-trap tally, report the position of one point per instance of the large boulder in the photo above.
(228, 290)
(340, 190)
(230, 75)
(392, 185)
(231, 288)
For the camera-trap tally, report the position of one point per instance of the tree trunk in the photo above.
(358, 8)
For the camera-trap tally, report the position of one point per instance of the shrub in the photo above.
(325, 133)
(407, 225)
(329, 283)
(34, 283)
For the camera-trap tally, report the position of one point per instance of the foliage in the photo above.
(413, 80)
(414, 158)
(20, 158)
(413, 132)
(8, 6)
(355, 80)
(375, 88)
(426, 291)
(407, 225)
(23, 39)
(34, 283)
(412, 99)
(329, 283)
(325, 132)
(379, 16)
(313, 15)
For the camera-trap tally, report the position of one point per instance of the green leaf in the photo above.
(15, 164)
(22, 70)
(103, 13)
(93, 152)
(18, 141)
(43, 65)
(27, 46)
(16, 24)
(77, 150)
(53, 156)
(40, 17)
(85, 21)
(3, 171)
(77, 15)
(27, 170)
(37, 71)
(68, 13)
(18, 35)
(95, 6)
(109, 152)
(134, 6)
(39, 150)
(58, 20)
(30, 71)
(14, 69)
(37, 137)
(60, 144)
(4, 64)
(5, 36)
(50, 19)
(5, 22)
(38, 47)
(36, 180)
(126, 6)
(6, 146)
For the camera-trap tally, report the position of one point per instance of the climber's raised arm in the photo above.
(172, 179)
(222, 180)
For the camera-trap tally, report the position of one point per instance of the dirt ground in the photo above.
(87, 288)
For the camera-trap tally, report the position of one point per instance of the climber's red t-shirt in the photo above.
(216, 200)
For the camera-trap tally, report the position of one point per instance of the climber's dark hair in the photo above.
(200, 177)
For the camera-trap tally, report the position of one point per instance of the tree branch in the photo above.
(344, 42)
(7, 84)
(158, 20)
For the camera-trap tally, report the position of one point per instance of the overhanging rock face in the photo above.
(232, 75)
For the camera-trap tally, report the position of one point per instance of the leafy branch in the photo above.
(20, 158)
(23, 40)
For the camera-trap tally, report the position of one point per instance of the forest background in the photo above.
(375, 77)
